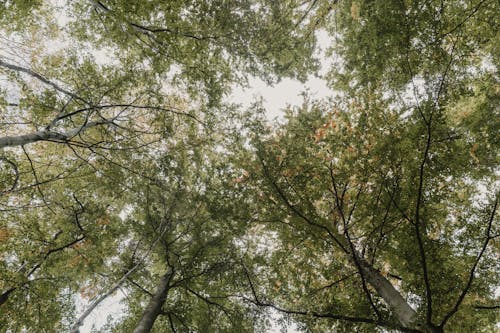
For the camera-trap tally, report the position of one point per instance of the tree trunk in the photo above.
(153, 309)
(20, 140)
(5, 295)
(403, 311)
(46, 135)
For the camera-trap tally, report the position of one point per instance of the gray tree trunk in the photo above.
(21, 140)
(153, 309)
(403, 311)
(46, 135)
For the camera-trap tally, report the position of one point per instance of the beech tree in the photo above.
(383, 204)
(181, 254)
(337, 192)
(82, 139)
(123, 167)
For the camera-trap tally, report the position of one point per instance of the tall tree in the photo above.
(336, 194)
(207, 45)
(180, 254)
(385, 202)
(81, 139)
(374, 212)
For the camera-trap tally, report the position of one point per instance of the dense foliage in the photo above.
(122, 166)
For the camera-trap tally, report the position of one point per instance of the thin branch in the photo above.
(331, 284)
(353, 252)
(148, 31)
(40, 78)
(138, 286)
(171, 323)
(409, 66)
(88, 311)
(295, 210)
(5, 295)
(36, 179)
(474, 266)
(208, 301)
(61, 112)
(487, 307)
(474, 11)
(443, 77)
(418, 232)
(54, 250)
(125, 105)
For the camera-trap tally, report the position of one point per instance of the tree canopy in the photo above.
(123, 166)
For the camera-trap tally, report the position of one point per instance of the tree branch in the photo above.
(474, 266)
(417, 224)
(88, 311)
(41, 78)
(295, 210)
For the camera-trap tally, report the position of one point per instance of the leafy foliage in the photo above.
(122, 166)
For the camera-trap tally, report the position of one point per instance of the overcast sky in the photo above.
(287, 92)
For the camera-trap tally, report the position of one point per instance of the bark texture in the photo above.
(21, 140)
(405, 314)
(153, 309)
(46, 135)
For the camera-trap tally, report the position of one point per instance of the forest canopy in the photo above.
(125, 168)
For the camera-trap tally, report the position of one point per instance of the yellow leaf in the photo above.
(355, 11)
(4, 234)
(473, 153)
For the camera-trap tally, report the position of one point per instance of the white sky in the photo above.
(110, 307)
(288, 91)
(276, 98)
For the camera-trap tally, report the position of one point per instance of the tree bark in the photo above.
(20, 140)
(41, 78)
(5, 295)
(46, 135)
(86, 313)
(403, 311)
(153, 309)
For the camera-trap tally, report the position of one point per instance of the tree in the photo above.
(337, 195)
(373, 211)
(384, 203)
(81, 140)
(181, 250)
(211, 44)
